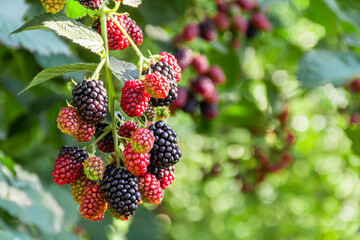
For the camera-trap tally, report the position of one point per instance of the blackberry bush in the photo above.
(97, 116)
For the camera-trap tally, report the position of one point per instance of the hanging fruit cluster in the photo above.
(125, 162)
(243, 19)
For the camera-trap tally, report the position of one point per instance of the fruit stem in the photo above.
(112, 93)
(98, 69)
(137, 50)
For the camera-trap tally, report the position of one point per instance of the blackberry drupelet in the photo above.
(121, 190)
(165, 151)
(91, 101)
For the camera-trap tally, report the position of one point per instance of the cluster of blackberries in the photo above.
(202, 91)
(157, 88)
(149, 158)
(244, 23)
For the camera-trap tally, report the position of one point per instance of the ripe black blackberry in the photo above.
(75, 153)
(91, 101)
(165, 152)
(166, 70)
(121, 190)
(208, 30)
(91, 4)
(106, 144)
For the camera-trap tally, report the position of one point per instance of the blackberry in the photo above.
(191, 104)
(91, 101)
(75, 153)
(251, 31)
(121, 190)
(106, 144)
(165, 151)
(150, 113)
(165, 176)
(68, 165)
(184, 57)
(166, 70)
(91, 4)
(208, 30)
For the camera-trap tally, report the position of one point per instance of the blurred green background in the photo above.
(305, 62)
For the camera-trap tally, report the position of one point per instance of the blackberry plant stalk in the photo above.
(112, 93)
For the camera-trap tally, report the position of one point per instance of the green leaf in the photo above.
(321, 67)
(42, 42)
(132, 3)
(50, 73)
(123, 70)
(66, 27)
(75, 10)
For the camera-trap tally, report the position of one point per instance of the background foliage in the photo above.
(311, 53)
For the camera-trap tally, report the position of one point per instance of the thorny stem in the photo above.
(112, 93)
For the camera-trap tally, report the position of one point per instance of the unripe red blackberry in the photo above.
(222, 21)
(191, 31)
(235, 43)
(247, 5)
(106, 144)
(120, 188)
(136, 163)
(134, 99)
(142, 140)
(85, 132)
(68, 165)
(78, 187)
(191, 104)
(93, 203)
(182, 98)
(53, 6)
(171, 60)
(116, 39)
(354, 86)
(150, 189)
(165, 176)
(223, 7)
(127, 129)
(213, 99)
(260, 21)
(208, 30)
(165, 151)
(91, 101)
(204, 86)
(132, 29)
(201, 64)
(166, 70)
(217, 75)
(91, 4)
(68, 120)
(241, 24)
(156, 85)
(94, 168)
(184, 57)
(210, 111)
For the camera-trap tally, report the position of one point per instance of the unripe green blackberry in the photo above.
(94, 168)
(78, 187)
